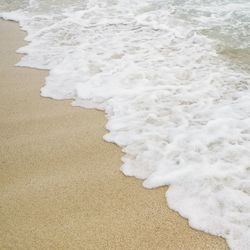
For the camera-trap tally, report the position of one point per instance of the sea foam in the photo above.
(176, 102)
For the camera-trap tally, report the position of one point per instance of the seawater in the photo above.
(173, 78)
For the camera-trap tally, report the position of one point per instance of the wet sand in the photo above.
(60, 184)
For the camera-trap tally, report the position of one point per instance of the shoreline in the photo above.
(61, 187)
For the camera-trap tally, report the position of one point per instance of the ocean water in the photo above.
(173, 77)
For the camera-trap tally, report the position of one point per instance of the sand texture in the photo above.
(60, 184)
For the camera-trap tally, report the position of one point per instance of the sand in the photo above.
(60, 184)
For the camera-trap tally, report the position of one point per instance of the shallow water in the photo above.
(173, 78)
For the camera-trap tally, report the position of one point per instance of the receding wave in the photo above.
(173, 79)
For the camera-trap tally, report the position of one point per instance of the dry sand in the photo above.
(60, 184)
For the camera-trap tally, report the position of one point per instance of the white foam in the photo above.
(179, 111)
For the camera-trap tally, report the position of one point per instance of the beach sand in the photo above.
(60, 183)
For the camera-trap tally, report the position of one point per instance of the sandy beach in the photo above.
(60, 183)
